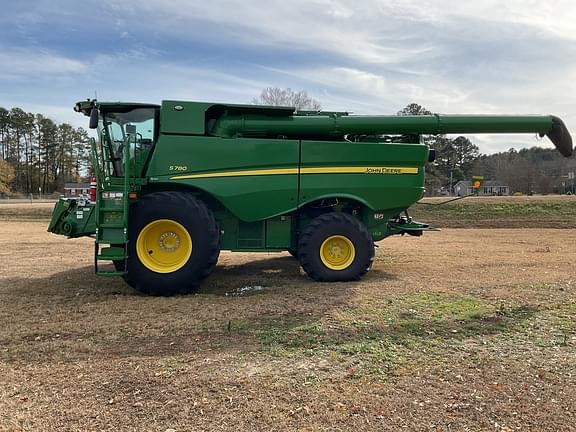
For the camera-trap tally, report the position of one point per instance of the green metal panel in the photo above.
(377, 222)
(381, 175)
(279, 232)
(184, 118)
(254, 178)
(71, 219)
(251, 235)
(190, 118)
(111, 235)
(228, 224)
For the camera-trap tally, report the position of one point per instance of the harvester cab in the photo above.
(178, 182)
(118, 125)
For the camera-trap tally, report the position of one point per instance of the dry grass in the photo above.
(458, 330)
(552, 211)
(25, 210)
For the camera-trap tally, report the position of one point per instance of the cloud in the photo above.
(20, 63)
(338, 27)
(371, 57)
(494, 143)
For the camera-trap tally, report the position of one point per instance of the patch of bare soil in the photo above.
(457, 330)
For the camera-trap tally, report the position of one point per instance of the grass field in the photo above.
(551, 211)
(459, 330)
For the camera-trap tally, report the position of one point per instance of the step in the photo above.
(112, 253)
(119, 209)
(110, 273)
(111, 225)
(110, 205)
(111, 258)
(115, 235)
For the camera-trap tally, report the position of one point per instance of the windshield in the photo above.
(141, 118)
(114, 128)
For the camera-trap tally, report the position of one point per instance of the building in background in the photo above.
(72, 190)
(489, 188)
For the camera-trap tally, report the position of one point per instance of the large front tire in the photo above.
(174, 244)
(336, 247)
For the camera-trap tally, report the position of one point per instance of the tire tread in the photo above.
(326, 219)
(203, 216)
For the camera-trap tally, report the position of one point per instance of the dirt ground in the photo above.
(459, 330)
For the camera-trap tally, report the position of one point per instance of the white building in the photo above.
(488, 188)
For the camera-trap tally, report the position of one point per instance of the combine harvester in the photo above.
(179, 182)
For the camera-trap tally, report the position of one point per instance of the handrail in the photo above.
(95, 164)
(127, 176)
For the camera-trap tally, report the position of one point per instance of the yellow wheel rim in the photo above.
(337, 252)
(164, 246)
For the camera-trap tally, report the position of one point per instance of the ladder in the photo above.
(112, 204)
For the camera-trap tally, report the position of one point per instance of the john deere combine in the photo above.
(179, 182)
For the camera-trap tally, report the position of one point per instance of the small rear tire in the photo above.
(336, 247)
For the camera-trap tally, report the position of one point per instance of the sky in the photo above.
(361, 56)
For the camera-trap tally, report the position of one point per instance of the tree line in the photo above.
(39, 154)
(534, 170)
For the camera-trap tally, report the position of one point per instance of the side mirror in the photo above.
(93, 118)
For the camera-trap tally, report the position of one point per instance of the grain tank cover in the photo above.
(191, 118)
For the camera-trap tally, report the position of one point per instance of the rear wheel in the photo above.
(174, 244)
(336, 247)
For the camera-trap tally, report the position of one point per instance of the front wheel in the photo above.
(336, 247)
(174, 244)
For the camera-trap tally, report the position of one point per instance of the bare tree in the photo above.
(287, 97)
(413, 109)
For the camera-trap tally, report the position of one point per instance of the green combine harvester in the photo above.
(179, 182)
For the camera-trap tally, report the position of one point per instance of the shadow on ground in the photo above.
(75, 314)
(259, 306)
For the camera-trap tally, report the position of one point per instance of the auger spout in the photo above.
(335, 126)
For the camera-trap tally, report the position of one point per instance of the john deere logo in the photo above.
(383, 170)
